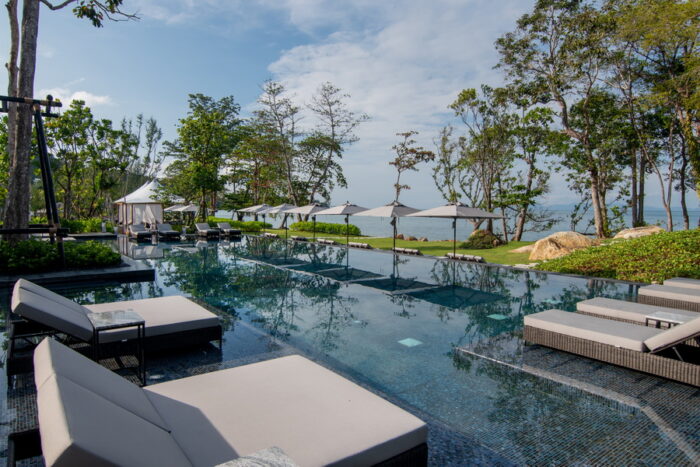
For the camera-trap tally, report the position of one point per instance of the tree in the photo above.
(447, 172)
(21, 67)
(558, 53)
(145, 136)
(408, 156)
(206, 136)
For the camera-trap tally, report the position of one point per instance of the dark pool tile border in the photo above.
(128, 271)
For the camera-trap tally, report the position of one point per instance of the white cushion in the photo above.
(163, 315)
(674, 335)
(316, 416)
(56, 314)
(683, 282)
(44, 292)
(621, 309)
(605, 331)
(685, 294)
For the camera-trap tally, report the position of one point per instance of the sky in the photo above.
(401, 62)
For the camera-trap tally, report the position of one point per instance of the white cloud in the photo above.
(403, 72)
(66, 96)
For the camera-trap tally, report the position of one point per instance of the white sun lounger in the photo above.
(683, 282)
(90, 416)
(203, 230)
(621, 310)
(167, 231)
(685, 298)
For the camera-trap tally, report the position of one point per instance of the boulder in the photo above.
(559, 244)
(399, 237)
(524, 249)
(640, 231)
(411, 238)
(423, 239)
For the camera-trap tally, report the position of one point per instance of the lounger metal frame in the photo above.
(668, 302)
(659, 363)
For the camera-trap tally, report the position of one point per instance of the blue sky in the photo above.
(402, 62)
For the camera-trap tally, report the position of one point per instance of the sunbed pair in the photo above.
(227, 230)
(204, 230)
(166, 231)
(289, 411)
(173, 321)
(139, 232)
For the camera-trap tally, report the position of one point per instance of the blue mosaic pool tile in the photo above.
(410, 342)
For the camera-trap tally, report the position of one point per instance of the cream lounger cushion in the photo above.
(163, 315)
(621, 309)
(59, 315)
(685, 294)
(51, 358)
(604, 331)
(683, 282)
(314, 415)
(674, 335)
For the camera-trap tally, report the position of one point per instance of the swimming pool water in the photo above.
(440, 338)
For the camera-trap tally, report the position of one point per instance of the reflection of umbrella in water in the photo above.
(308, 210)
(456, 211)
(393, 210)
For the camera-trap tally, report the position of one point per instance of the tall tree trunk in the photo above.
(682, 172)
(642, 180)
(18, 189)
(633, 201)
(595, 201)
(12, 72)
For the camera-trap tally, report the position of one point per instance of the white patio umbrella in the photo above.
(188, 208)
(280, 209)
(257, 209)
(173, 208)
(308, 210)
(456, 211)
(347, 210)
(393, 210)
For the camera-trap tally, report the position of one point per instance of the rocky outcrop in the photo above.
(639, 231)
(411, 238)
(399, 237)
(559, 244)
(524, 249)
(423, 239)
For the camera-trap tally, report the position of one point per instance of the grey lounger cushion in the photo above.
(685, 294)
(683, 282)
(674, 335)
(316, 416)
(203, 227)
(163, 315)
(61, 315)
(621, 309)
(605, 331)
(166, 229)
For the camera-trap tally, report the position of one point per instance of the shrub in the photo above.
(76, 226)
(326, 227)
(480, 240)
(645, 259)
(36, 256)
(245, 226)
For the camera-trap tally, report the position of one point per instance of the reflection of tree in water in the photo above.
(333, 312)
(529, 412)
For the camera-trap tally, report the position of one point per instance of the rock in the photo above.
(411, 238)
(524, 249)
(423, 239)
(559, 244)
(639, 231)
(399, 237)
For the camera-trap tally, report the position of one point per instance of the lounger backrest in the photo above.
(164, 227)
(43, 291)
(57, 315)
(224, 225)
(674, 335)
(202, 226)
(138, 228)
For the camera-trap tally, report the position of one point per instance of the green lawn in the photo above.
(499, 255)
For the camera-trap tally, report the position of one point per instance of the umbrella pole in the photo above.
(454, 237)
(263, 226)
(393, 222)
(347, 231)
(314, 219)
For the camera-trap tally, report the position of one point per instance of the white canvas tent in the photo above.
(140, 206)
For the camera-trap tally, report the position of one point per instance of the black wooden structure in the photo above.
(53, 226)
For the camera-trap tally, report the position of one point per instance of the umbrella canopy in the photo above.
(282, 208)
(255, 209)
(188, 208)
(394, 210)
(173, 208)
(347, 209)
(310, 209)
(456, 211)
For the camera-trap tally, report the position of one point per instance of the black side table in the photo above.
(120, 319)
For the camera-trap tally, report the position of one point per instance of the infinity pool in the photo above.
(439, 338)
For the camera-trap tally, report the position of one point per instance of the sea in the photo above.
(441, 229)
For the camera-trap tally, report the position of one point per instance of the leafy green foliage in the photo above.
(36, 256)
(481, 240)
(244, 226)
(93, 224)
(327, 227)
(646, 259)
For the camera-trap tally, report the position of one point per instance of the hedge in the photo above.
(646, 259)
(480, 240)
(326, 227)
(79, 225)
(37, 256)
(245, 226)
